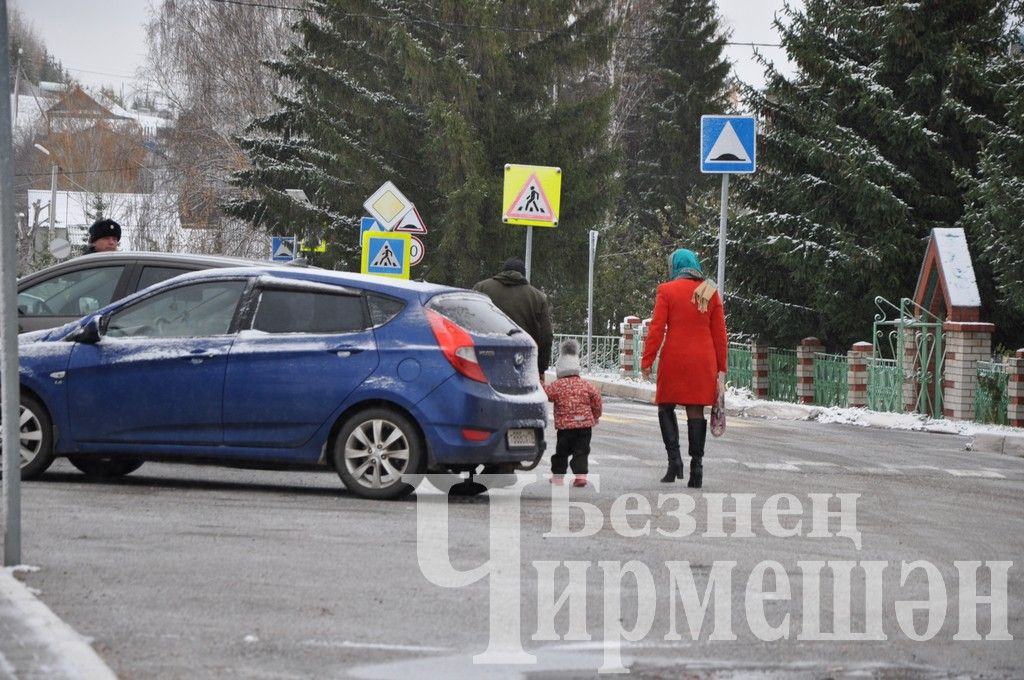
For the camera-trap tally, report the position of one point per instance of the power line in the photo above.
(64, 173)
(482, 27)
(102, 73)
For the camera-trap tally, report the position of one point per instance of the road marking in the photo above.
(349, 644)
(784, 467)
(871, 470)
(620, 420)
(976, 473)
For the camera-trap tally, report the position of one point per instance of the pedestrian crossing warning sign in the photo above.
(532, 195)
(386, 254)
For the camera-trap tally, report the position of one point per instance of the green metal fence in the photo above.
(908, 349)
(831, 385)
(603, 354)
(741, 366)
(885, 385)
(782, 374)
(990, 397)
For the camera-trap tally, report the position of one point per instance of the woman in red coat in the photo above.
(688, 317)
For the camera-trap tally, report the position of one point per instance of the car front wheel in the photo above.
(374, 449)
(35, 437)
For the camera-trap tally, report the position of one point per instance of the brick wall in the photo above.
(966, 344)
(805, 369)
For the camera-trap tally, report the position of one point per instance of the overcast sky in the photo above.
(103, 42)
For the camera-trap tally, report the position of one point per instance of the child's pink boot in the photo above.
(581, 480)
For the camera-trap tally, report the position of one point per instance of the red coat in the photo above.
(695, 348)
(577, 402)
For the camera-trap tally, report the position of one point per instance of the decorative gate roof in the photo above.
(946, 286)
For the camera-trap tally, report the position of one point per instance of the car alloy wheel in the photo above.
(35, 438)
(374, 449)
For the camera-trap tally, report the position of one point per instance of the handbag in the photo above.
(718, 416)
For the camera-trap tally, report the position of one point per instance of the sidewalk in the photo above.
(35, 644)
(738, 403)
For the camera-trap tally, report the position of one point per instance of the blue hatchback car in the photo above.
(272, 367)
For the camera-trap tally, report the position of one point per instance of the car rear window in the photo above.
(475, 313)
(383, 308)
(300, 311)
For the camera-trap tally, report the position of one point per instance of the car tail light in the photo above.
(457, 346)
(471, 435)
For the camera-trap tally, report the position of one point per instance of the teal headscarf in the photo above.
(684, 263)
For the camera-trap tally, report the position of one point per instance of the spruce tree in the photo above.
(678, 74)
(994, 211)
(860, 155)
(438, 98)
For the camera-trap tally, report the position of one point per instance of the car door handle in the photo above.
(197, 356)
(346, 351)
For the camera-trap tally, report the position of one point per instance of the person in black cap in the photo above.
(528, 307)
(104, 236)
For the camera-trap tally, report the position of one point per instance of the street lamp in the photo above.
(53, 187)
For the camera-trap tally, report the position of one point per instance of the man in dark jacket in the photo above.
(104, 237)
(524, 304)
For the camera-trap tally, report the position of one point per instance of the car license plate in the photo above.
(521, 438)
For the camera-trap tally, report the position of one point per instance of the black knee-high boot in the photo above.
(670, 435)
(697, 432)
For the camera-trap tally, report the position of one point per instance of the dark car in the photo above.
(276, 366)
(65, 292)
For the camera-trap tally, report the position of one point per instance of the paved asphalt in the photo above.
(202, 572)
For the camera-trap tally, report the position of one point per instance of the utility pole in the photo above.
(53, 187)
(9, 396)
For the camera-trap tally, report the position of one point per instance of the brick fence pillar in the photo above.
(628, 329)
(805, 369)
(911, 379)
(1015, 390)
(857, 374)
(759, 369)
(966, 343)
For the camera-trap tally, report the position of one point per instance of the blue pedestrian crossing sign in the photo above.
(386, 253)
(728, 144)
(282, 249)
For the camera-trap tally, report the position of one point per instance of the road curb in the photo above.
(36, 643)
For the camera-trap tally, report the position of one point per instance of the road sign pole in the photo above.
(590, 295)
(529, 250)
(723, 224)
(9, 397)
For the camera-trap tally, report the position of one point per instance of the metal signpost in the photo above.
(9, 398)
(590, 294)
(727, 144)
(532, 196)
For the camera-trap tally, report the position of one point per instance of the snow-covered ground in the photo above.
(741, 402)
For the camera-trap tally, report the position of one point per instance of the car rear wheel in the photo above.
(374, 449)
(35, 437)
(105, 468)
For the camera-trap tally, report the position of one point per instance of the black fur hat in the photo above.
(515, 264)
(103, 228)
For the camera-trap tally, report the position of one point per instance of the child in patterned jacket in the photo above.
(577, 410)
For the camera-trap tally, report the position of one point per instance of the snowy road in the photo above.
(190, 572)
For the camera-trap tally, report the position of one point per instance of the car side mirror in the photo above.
(90, 333)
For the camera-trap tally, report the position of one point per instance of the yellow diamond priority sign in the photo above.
(532, 195)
